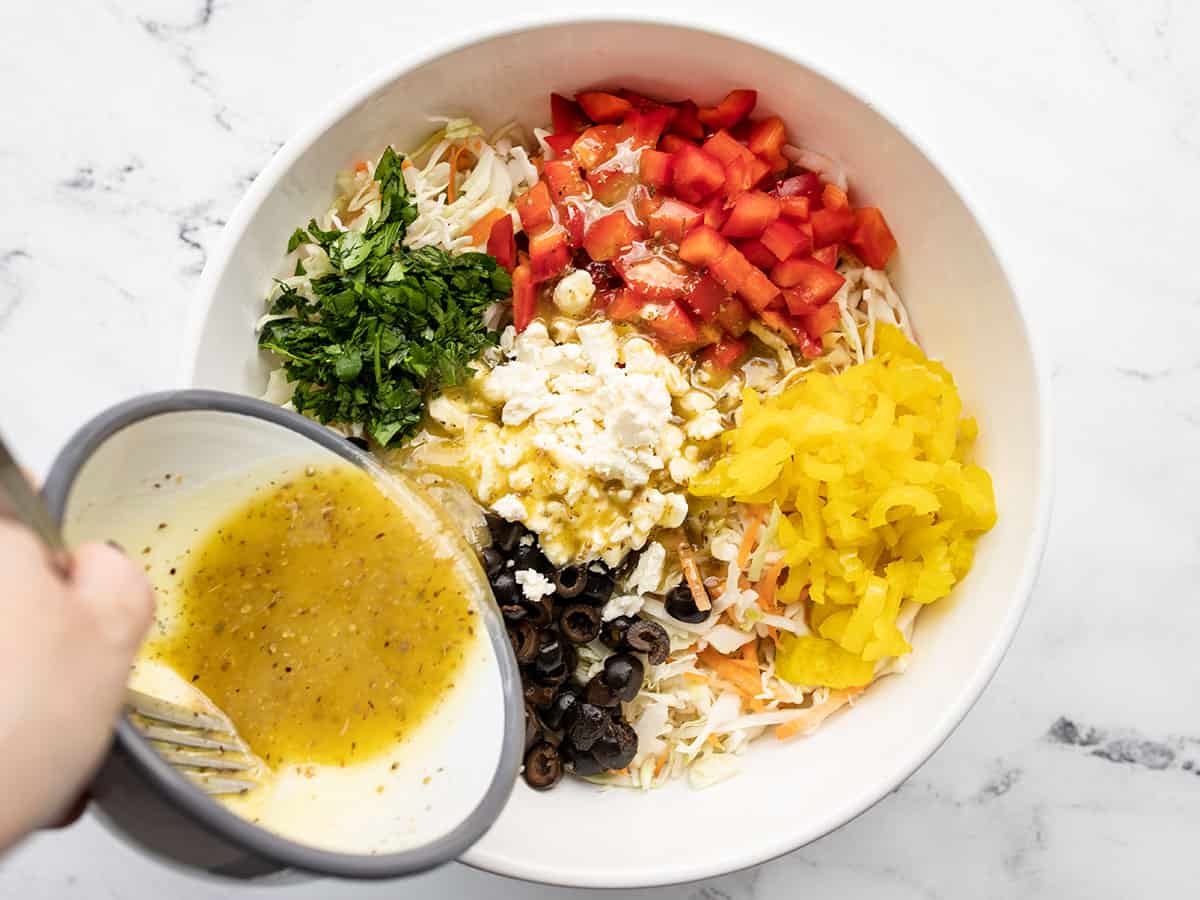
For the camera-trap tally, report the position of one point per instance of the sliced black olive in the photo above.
(533, 734)
(528, 556)
(540, 612)
(505, 587)
(582, 762)
(590, 725)
(524, 638)
(617, 751)
(513, 612)
(543, 767)
(579, 623)
(550, 652)
(599, 587)
(558, 712)
(599, 693)
(570, 581)
(493, 562)
(623, 674)
(681, 605)
(539, 696)
(649, 638)
(505, 535)
(360, 443)
(612, 632)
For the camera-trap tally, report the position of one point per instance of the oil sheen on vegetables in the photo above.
(320, 619)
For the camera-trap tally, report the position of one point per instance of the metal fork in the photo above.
(202, 746)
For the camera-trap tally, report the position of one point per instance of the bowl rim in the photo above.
(185, 796)
(704, 865)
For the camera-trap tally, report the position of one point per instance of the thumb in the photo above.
(114, 592)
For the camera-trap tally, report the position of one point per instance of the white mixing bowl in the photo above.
(964, 311)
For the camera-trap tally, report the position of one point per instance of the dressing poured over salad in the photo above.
(653, 360)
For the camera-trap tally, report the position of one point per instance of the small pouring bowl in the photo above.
(140, 463)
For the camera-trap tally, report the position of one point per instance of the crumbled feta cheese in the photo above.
(647, 574)
(573, 293)
(622, 605)
(534, 584)
(600, 344)
(695, 402)
(450, 415)
(510, 507)
(706, 425)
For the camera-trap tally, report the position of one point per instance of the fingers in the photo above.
(115, 593)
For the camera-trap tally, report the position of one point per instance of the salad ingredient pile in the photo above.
(655, 354)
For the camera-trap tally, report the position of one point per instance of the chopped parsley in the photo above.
(389, 327)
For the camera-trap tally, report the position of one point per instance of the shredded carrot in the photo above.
(767, 586)
(482, 230)
(695, 676)
(405, 163)
(452, 186)
(741, 674)
(817, 714)
(360, 166)
(691, 571)
(750, 652)
(773, 634)
(659, 762)
(758, 516)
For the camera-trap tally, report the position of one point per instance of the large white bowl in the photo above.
(965, 313)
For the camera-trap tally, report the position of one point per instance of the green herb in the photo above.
(389, 327)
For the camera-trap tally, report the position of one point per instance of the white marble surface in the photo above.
(131, 128)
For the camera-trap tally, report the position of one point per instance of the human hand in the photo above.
(65, 650)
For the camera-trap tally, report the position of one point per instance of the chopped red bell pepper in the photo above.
(734, 317)
(811, 282)
(561, 143)
(535, 208)
(687, 121)
(785, 239)
(826, 256)
(608, 236)
(758, 290)
(548, 253)
(524, 297)
(654, 167)
(767, 137)
(563, 179)
(724, 354)
(574, 222)
(831, 226)
(731, 268)
(602, 107)
(702, 246)
(704, 297)
(752, 212)
(674, 218)
(648, 125)
(652, 274)
(672, 326)
(624, 306)
(502, 244)
(821, 320)
(696, 174)
(566, 116)
(797, 208)
(743, 173)
(756, 251)
(645, 202)
(730, 111)
(725, 148)
(611, 185)
(833, 197)
(715, 212)
(638, 101)
(806, 184)
(872, 239)
(597, 145)
(673, 143)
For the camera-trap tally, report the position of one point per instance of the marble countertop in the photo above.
(132, 127)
